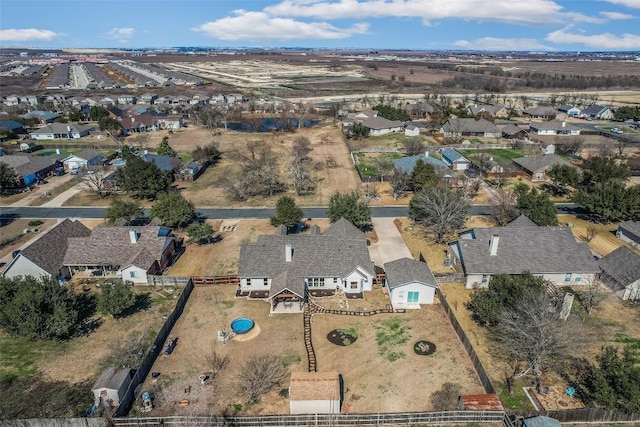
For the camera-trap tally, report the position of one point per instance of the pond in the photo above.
(269, 124)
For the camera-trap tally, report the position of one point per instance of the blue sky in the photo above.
(526, 25)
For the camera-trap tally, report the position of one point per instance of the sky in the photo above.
(522, 25)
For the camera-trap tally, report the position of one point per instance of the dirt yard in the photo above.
(12, 235)
(372, 383)
(605, 240)
(221, 258)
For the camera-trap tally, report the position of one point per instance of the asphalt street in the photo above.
(8, 212)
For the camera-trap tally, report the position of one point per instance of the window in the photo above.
(335, 280)
(578, 278)
(133, 274)
(485, 279)
(567, 277)
(315, 282)
(413, 296)
(266, 281)
(353, 285)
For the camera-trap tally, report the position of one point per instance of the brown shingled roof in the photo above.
(314, 386)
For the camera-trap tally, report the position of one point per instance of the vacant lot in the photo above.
(372, 382)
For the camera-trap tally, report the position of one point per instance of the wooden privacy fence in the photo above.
(154, 280)
(55, 422)
(143, 370)
(590, 415)
(321, 420)
(482, 373)
(215, 280)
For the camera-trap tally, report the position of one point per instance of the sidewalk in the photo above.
(39, 190)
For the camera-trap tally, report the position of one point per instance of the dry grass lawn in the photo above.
(372, 383)
(12, 234)
(604, 242)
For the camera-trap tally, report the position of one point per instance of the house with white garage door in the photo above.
(410, 283)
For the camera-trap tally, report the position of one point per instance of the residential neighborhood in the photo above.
(173, 246)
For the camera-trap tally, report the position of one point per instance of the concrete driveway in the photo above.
(390, 245)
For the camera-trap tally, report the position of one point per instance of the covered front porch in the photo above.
(286, 302)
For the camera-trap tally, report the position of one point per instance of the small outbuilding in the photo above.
(410, 283)
(620, 271)
(480, 402)
(629, 231)
(315, 393)
(111, 386)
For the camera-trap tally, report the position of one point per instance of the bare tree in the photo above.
(413, 145)
(446, 398)
(261, 374)
(621, 144)
(441, 209)
(216, 363)
(142, 141)
(481, 159)
(529, 331)
(301, 148)
(591, 295)
(300, 176)
(383, 164)
(571, 145)
(259, 175)
(399, 183)
(591, 233)
(95, 181)
(504, 206)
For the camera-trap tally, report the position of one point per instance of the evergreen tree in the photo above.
(121, 209)
(143, 180)
(611, 201)
(8, 177)
(423, 176)
(164, 149)
(173, 209)
(200, 232)
(602, 169)
(562, 176)
(350, 207)
(535, 205)
(115, 297)
(287, 213)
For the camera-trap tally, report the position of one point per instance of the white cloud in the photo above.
(120, 34)
(246, 25)
(26, 35)
(494, 43)
(511, 11)
(604, 41)
(614, 16)
(629, 3)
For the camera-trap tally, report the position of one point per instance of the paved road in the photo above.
(229, 213)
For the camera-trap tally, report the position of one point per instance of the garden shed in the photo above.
(111, 386)
(541, 421)
(410, 283)
(315, 393)
(620, 271)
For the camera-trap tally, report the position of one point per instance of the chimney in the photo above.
(288, 252)
(493, 245)
(133, 235)
(426, 154)
(564, 123)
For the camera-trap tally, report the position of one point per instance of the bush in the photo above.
(35, 223)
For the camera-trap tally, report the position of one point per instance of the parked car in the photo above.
(617, 131)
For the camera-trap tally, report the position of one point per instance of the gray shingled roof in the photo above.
(112, 246)
(286, 281)
(553, 125)
(632, 227)
(470, 125)
(522, 221)
(112, 378)
(48, 251)
(62, 128)
(407, 164)
(540, 111)
(535, 249)
(335, 253)
(406, 270)
(89, 154)
(622, 265)
(26, 165)
(534, 163)
(381, 123)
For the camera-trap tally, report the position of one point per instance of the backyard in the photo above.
(372, 381)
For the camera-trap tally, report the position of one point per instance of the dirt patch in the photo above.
(424, 348)
(342, 337)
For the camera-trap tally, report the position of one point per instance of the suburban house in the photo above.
(84, 159)
(164, 163)
(456, 127)
(491, 110)
(43, 117)
(550, 252)
(44, 257)
(30, 169)
(536, 167)
(454, 160)
(315, 393)
(140, 123)
(410, 283)
(129, 253)
(554, 127)
(628, 231)
(189, 172)
(381, 126)
(407, 164)
(111, 386)
(12, 126)
(62, 131)
(126, 99)
(412, 130)
(620, 270)
(513, 131)
(283, 268)
(542, 112)
(570, 110)
(597, 112)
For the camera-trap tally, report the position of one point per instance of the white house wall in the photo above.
(134, 274)
(632, 292)
(254, 284)
(315, 406)
(426, 294)
(558, 279)
(75, 163)
(23, 266)
(365, 282)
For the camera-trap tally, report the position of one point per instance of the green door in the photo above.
(413, 296)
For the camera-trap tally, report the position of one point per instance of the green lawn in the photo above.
(368, 166)
(497, 153)
(19, 357)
